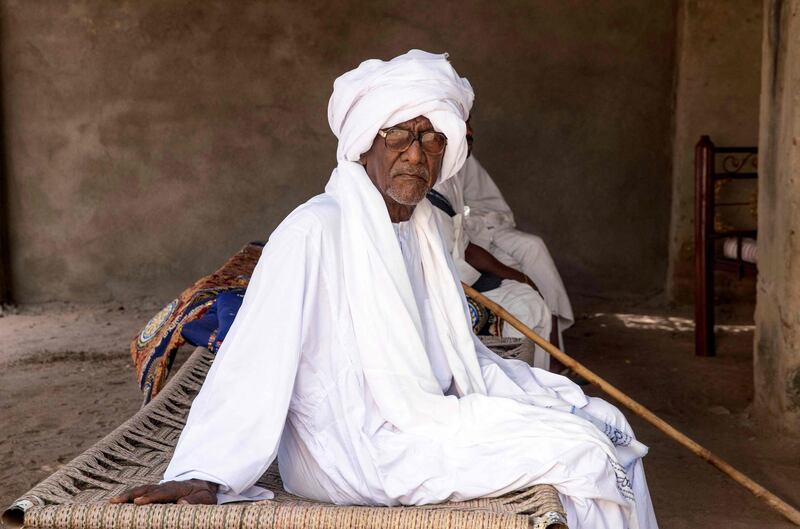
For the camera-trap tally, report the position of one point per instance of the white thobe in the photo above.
(490, 224)
(520, 299)
(283, 384)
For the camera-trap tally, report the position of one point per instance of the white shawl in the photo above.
(385, 316)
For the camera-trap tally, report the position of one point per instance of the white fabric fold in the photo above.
(397, 368)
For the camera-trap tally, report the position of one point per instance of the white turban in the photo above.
(379, 94)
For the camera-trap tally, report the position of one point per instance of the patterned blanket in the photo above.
(153, 349)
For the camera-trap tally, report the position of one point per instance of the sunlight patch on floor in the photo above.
(667, 323)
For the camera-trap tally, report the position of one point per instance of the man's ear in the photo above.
(362, 160)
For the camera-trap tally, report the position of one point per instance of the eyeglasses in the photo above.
(399, 140)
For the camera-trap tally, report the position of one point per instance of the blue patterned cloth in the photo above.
(210, 330)
(153, 349)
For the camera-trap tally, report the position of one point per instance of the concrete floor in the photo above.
(647, 350)
(66, 380)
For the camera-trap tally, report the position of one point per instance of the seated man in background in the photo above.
(476, 267)
(489, 223)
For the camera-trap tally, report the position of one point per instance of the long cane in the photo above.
(771, 499)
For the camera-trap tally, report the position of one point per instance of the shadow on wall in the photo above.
(150, 140)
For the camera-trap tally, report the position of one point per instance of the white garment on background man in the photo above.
(519, 299)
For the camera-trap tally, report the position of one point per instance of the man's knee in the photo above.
(529, 307)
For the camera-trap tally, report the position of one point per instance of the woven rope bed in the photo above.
(137, 452)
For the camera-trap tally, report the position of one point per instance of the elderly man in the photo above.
(352, 359)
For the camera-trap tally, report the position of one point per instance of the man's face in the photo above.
(403, 177)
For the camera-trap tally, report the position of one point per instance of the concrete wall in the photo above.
(5, 279)
(716, 93)
(148, 140)
(777, 337)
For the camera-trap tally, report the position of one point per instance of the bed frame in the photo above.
(712, 166)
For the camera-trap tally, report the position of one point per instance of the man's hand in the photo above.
(484, 262)
(192, 491)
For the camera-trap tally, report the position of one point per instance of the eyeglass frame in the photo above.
(417, 137)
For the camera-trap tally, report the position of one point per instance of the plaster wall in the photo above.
(5, 287)
(148, 140)
(716, 93)
(777, 336)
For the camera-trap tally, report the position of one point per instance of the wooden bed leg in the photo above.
(555, 365)
(554, 334)
(704, 248)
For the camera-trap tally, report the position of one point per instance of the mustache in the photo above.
(420, 171)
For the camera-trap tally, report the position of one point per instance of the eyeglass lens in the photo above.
(401, 139)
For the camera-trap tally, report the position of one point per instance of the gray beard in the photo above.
(390, 192)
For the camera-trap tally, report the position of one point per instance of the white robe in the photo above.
(490, 224)
(285, 384)
(519, 299)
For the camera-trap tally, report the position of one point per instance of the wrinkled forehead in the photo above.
(417, 123)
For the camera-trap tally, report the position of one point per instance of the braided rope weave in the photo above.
(138, 451)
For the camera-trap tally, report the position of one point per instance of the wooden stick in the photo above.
(771, 499)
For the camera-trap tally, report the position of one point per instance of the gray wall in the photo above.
(717, 93)
(148, 140)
